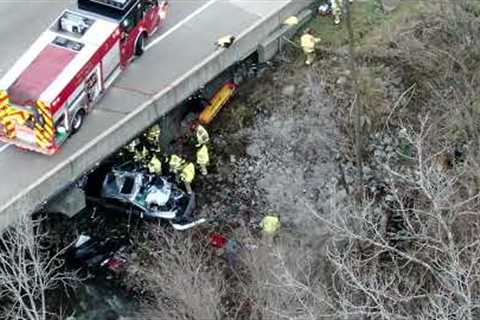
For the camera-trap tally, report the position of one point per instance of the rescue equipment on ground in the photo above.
(225, 41)
(325, 9)
(217, 102)
(291, 21)
(218, 240)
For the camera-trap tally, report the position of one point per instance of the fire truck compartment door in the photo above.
(93, 86)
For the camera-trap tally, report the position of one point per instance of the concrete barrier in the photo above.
(275, 42)
(145, 115)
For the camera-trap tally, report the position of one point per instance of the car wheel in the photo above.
(140, 45)
(78, 120)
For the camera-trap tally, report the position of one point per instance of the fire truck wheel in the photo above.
(78, 120)
(140, 45)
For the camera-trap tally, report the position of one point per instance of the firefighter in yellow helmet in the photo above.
(129, 149)
(202, 135)
(155, 165)
(141, 156)
(203, 159)
(270, 225)
(308, 42)
(337, 7)
(153, 138)
(187, 175)
(175, 163)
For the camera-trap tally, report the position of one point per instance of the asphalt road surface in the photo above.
(192, 28)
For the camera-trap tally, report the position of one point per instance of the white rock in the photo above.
(289, 90)
(342, 80)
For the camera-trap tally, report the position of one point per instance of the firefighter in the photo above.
(202, 135)
(225, 41)
(129, 149)
(203, 159)
(307, 42)
(175, 164)
(141, 156)
(153, 138)
(270, 225)
(337, 7)
(337, 10)
(187, 175)
(155, 165)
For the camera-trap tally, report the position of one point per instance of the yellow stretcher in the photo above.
(217, 102)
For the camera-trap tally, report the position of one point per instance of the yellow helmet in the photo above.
(202, 135)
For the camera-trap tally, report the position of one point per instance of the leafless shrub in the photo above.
(27, 271)
(277, 281)
(428, 268)
(184, 285)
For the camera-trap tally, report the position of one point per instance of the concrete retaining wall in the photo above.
(147, 114)
(275, 42)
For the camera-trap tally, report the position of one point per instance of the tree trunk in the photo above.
(357, 107)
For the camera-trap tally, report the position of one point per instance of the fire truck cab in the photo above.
(46, 95)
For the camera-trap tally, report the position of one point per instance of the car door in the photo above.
(130, 29)
(151, 18)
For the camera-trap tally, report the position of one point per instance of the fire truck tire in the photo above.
(140, 45)
(78, 120)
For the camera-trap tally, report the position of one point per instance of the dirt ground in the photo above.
(281, 155)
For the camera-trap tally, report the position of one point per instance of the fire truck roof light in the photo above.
(67, 43)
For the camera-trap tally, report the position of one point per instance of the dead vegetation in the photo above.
(28, 272)
(409, 249)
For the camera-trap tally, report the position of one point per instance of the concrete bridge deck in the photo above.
(180, 59)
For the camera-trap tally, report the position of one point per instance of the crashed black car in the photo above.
(94, 253)
(148, 196)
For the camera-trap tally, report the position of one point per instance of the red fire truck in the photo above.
(45, 96)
